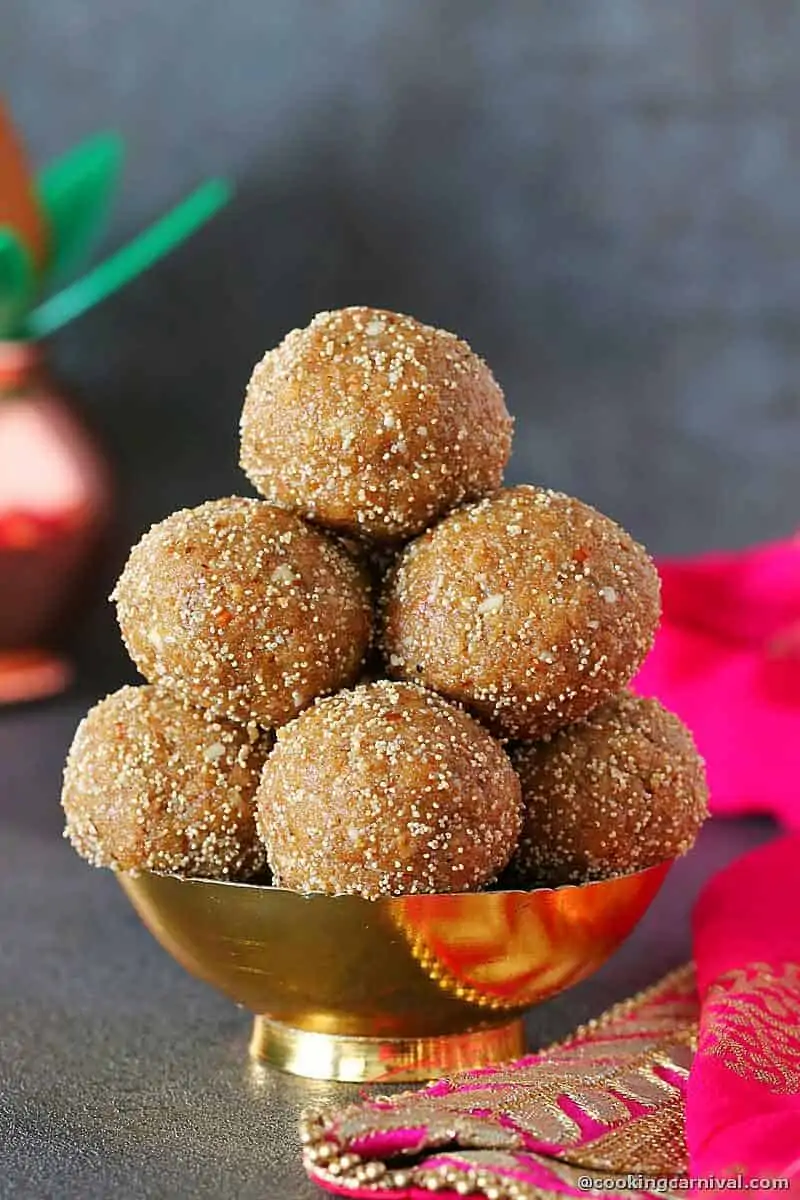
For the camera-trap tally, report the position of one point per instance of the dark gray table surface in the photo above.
(121, 1076)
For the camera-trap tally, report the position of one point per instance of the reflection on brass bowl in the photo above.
(395, 989)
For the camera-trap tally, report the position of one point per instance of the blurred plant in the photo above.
(55, 485)
(49, 223)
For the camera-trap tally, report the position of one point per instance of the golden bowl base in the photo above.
(346, 1059)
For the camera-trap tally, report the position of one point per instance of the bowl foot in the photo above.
(389, 1060)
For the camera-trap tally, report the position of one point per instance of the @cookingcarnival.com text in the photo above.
(680, 1183)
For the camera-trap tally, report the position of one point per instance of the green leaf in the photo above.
(131, 260)
(17, 283)
(75, 193)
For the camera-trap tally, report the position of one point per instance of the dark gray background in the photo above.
(604, 198)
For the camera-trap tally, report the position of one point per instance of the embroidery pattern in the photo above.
(608, 1098)
(750, 1016)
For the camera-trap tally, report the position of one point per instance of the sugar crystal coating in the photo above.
(151, 783)
(621, 790)
(529, 607)
(244, 609)
(387, 790)
(373, 424)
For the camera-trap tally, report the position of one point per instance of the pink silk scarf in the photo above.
(743, 1100)
(727, 660)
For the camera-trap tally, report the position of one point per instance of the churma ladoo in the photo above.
(373, 424)
(244, 609)
(529, 607)
(153, 784)
(387, 790)
(526, 606)
(621, 790)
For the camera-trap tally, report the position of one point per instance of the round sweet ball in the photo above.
(373, 424)
(530, 607)
(152, 784)
(244, 609)
(622, 790)
(387, 790)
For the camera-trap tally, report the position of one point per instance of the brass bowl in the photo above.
(398, 989)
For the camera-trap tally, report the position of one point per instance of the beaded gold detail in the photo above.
(609, 1098)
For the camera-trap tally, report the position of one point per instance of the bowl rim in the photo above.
(263, 888)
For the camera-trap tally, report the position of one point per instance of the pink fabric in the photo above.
(727, 660)
(540, 1123)
(743, 1097)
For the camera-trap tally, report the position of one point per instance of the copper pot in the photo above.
(54, 502)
